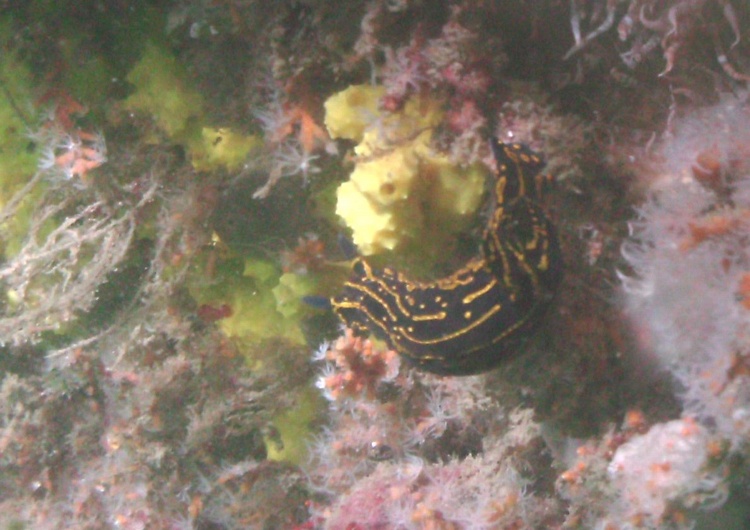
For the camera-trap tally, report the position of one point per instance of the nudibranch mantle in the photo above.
(471, 320)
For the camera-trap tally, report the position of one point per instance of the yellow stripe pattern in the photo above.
(471, 320)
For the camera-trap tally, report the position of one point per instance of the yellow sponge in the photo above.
(401, 189)
(350, 111)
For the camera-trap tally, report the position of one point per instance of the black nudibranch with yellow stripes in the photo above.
(471, 320)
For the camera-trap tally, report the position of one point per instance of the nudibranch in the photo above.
(473, 319)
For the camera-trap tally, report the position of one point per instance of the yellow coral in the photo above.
(255, 314)
(163, 90)
(349, 111)
(223, 147)
(456, 191)
(401, 189)
(293, 427)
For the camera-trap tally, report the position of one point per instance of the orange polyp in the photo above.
(635, 420)
(708, 227)
(707, 168)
